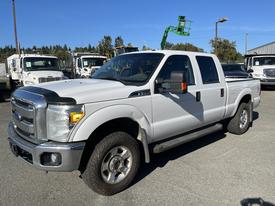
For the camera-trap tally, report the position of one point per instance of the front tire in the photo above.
(113, 164)
(240, 123)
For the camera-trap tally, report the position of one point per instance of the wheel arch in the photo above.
(117, 118)
(245, 96)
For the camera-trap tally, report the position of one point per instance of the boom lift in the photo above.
(183, 29)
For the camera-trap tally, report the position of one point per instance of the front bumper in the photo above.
(70, 153)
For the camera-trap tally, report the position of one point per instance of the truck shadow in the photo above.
(160, 160)
(255, 115)
(185, 100)
(256, 202)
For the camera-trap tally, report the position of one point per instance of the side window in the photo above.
(13, 64)
(79, 63)
(250, 62)
(208, 70)
(21, 62)
(177, 63)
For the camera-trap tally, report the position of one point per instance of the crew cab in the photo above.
(135, 105)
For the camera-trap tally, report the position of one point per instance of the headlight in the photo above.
(61, 119)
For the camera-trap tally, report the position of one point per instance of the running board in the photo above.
(186, 138)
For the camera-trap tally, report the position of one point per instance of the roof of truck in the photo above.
(93, 56)
(170, 52)
(31, 55)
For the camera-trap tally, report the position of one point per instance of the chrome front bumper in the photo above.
(70, 153)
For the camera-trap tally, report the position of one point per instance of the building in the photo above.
(264, 49)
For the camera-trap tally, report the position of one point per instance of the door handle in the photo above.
(222, 92)
(198, 96)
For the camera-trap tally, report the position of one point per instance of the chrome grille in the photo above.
(23, 115)
(48, 79)
(29, 115)
(269, 72)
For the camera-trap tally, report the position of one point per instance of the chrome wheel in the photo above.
(116, 165)
(243, 119)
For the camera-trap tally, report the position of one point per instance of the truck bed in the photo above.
(237, 86)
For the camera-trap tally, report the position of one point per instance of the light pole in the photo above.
(221, 20)
(15, 30)
(246, 34)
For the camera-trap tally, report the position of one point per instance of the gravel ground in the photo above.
(219, 169)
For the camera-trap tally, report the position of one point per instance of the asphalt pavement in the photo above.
(219, 169)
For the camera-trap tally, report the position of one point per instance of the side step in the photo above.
(186, 138)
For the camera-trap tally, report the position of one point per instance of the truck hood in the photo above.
(90, 90)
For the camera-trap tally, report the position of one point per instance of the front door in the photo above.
(174, 114)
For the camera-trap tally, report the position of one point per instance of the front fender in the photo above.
(86, 127)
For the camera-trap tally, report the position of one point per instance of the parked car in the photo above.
(140, 102)
(235, 71)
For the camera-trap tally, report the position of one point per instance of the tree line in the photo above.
(225, 49)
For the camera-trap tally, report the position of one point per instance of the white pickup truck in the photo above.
(134, 105)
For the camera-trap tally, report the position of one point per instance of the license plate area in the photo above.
(17, 151)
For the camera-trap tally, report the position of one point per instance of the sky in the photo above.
(141, 22)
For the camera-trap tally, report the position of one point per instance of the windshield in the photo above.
(261, 61)
(232, 67)
(130, 68)
(40, 63)
(90, 62)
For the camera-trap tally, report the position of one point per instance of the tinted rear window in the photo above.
(208, 70)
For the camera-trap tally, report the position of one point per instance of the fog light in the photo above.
(51, 159)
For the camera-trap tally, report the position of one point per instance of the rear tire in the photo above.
(240, 123)
(113, 164)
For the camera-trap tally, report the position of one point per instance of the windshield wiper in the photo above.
(110, 78)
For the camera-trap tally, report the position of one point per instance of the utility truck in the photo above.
(86, 63)
(262, 67)
(137, 103)
(30, 69)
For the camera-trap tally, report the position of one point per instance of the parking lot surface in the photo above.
(219, 169)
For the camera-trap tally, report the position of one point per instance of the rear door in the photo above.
(212, 91)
